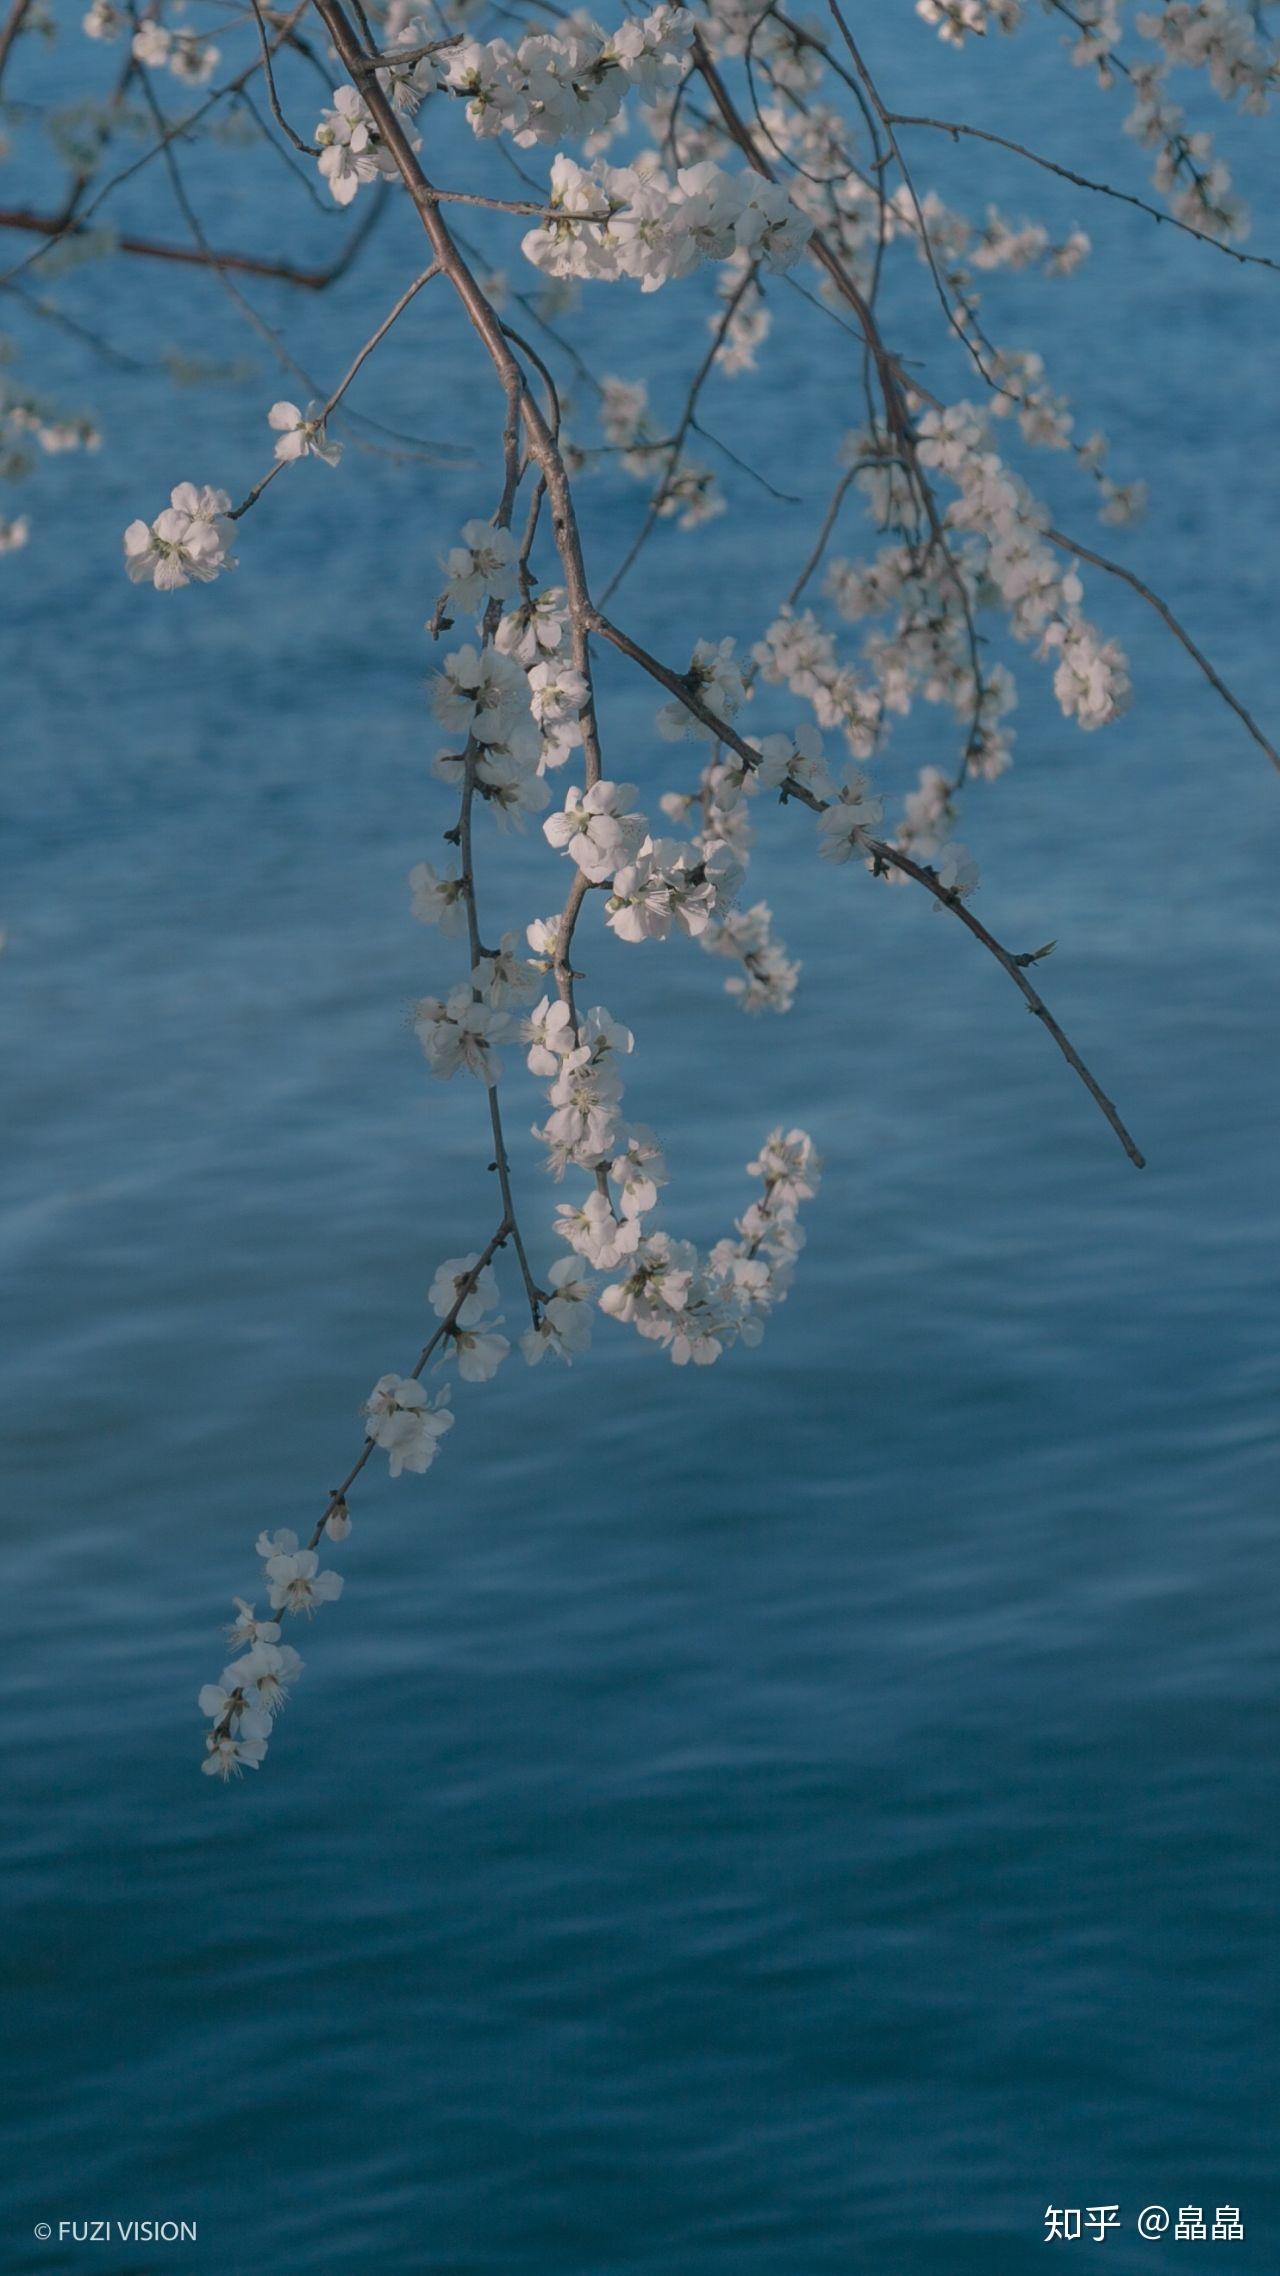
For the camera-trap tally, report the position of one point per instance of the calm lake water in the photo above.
(798, 1819)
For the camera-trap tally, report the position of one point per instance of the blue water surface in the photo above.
(798, 1818)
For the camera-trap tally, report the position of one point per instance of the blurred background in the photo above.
(800, 1817)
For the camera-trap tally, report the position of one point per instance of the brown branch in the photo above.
(331, 402)
(188, 256)
(1165, 613)
(9, 30)
(484, 317)
(885, 856)
(308, 149)
(956, 129)
(446, 1327)
(687, 420)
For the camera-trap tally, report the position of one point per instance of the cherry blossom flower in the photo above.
(246, 1628)
(565, 1323)
(405, 1423)
(845, 824)
(450, 1279)
(551, 1035)
(637, 1172)
(483, 568)
(226, 1757)
(296, 1583)
(224, 1702)
(503, 976)
(597, 828)
(438, 898)
(557, 694)
(594, 1232)
(150, 45)
(479, 1351)
(103, 21)
(715, 679)
(670, 883)
(485, 695)
(768, 979)
(956, 20)
(461, 1031)
(536, 629)
(957, 871)
(193, 61)
(187, 541)
(263, 1678)
(349, 143)
(302, 434)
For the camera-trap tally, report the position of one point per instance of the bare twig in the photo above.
(1179, 631)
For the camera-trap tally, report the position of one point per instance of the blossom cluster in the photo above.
(695, 1307)
(606, 223)
(688, 492)
(187, 542)
(562, 86)
(241, 1707)
(662, 183)
(958, 20)
(1217, 37)
(161, 47)
(352, 151)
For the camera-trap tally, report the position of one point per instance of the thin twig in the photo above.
(890, 857)
(1179, 631)
(957, 129)
(308, 149)
(410, 292)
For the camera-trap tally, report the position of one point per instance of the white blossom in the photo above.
(403, 1421)
(438, 898)
(594, 1232)
(351, 149)
(715, 679)
(637, 1172)
(479, 1351)
(246, 1628)
(451, 1277)
(225, 1703)
(597, 828)
(482, 568)
(460, 1031)
(226, 1757)
(483, 694)
(845, 824)
(150, 45)
(297, 1584)
(503, 976)
(564, 1326)
(302, 434)
(188, 540)
(551, 1035)
(103, 21)
(263, 1678)
(536, 629)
